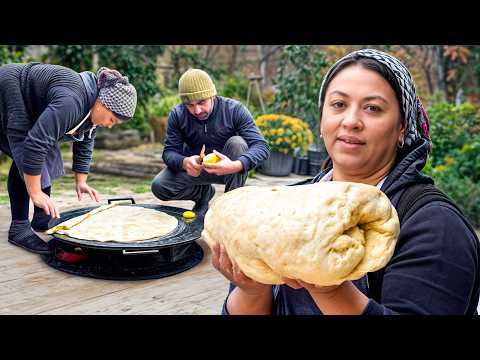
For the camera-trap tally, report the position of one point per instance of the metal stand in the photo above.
(254, 80)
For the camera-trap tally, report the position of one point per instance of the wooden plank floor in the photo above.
(29, 286)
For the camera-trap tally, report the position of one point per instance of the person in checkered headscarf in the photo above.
(40, 106)
(116, 93)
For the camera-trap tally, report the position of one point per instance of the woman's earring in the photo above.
(401, 143)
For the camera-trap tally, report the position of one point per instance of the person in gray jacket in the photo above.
(42, 105)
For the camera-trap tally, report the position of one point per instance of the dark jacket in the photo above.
(186, 134)
(39, 103)
(435, 265)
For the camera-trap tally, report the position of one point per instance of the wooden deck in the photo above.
(29, 286)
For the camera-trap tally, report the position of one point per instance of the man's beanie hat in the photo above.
(195, 84)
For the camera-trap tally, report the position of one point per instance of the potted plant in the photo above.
(283, 134)
(299, 76)
(301, 165)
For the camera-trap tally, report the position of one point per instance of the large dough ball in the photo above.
(322, 233)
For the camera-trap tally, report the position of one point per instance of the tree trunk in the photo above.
(262, 51)
(265, 53)
(427, 66)
(146, 115)
(441, 69)
(95, 60)
(233, 59)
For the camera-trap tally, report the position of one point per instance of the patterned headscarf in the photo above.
(116, 93)
(416, 118)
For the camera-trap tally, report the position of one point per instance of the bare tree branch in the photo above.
(270, 53)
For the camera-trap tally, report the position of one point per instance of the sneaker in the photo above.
(201, 206)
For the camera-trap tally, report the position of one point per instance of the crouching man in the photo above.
(224, 126)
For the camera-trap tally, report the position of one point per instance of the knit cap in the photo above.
(195, 84)
(116, 93)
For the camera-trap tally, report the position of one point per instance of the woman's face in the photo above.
(102, 116)
(361, 122)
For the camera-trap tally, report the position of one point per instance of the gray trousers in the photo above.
(171, 185)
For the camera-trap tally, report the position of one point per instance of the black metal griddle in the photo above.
(149, 259)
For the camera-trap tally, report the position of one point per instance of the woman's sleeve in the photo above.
(224, 307)
(230, 289)
(82, 153)
(435, 267)
(59, 116)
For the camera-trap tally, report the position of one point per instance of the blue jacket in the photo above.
(39, 103)
(186, 134)
(435, 265)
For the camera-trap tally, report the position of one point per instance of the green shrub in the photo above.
(9, 54)
(235, 87)
(451, 127)
(458, 175)
(138, 122)
(466, 161)
(464, 191)
(163, 106)
(299, 76)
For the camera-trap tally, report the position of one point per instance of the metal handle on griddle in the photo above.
(120, 199)
(133, 252)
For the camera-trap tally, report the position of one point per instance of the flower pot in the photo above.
(315, 168)
(301, 165)
(316, 154)
(278, 164)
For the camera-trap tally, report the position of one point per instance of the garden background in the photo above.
(285, 107)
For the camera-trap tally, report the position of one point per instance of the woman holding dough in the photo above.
(40, 106)
(376, 132)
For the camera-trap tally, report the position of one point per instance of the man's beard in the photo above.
(203, 116)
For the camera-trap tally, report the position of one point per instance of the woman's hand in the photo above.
(84, 188)
(39, 198)
(232, 272)
(311, 288)
(342, 299)
(42, 200)
(224, 167)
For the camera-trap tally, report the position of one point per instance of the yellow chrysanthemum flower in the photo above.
(284, 133)
(449, 160)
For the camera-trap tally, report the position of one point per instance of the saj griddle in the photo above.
(149, 259)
